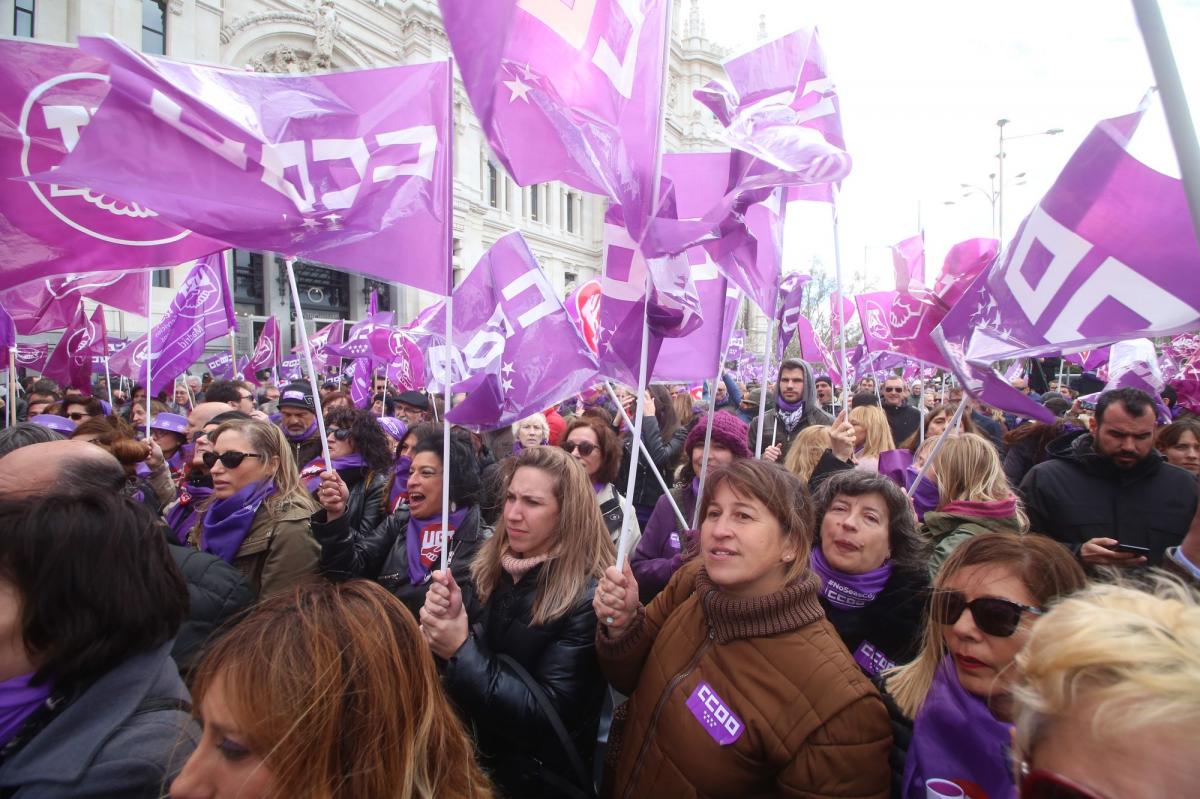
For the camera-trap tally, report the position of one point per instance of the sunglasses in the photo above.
(996, 617)
(893, 390)
(338, 434)
(1040, 784)
(77, 416)
(230, 459)
(585, 447)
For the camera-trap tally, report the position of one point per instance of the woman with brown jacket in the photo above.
(739, 686)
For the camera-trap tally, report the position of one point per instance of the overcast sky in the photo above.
(922, 85)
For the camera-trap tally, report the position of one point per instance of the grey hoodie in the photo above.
(774, 428)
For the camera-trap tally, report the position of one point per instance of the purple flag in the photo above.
(291, 369)
(813, 350)
(875, 311)
(8, 329)
(398, 353)
(513, 342)
(787, 313)
(568, 91)
(48, 95)
(583, 306)
(50, 304)
(848, 311)
(348, 168)
(737, 345)
(694, 356)
(266, 351)
(201, 311)
(220, 366)
(908, 259)
(320, 342)
(1089, 360)
(358, 340)
(71, 361)
(362, 381)
(33, 356)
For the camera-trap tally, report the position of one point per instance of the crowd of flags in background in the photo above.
(121, 162)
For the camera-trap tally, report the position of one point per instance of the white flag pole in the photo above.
(108, 383)
(446, 379)
(308, 361)
(962, 405)
(149, 347)
(645, 454)
(712, 411)
(841, 311)
(766, 371)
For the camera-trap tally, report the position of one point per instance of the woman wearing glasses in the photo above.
(257, 516)
(594, 445)
(402, 551)
(958, 692)
(362, 458)
(79, 408)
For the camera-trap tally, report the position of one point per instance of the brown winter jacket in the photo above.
(278, 552)
(813, 724)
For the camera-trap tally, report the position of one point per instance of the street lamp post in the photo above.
(1000, 123)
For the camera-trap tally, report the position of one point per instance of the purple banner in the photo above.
(220, 366)
(50, 304)
(71, 361)
(266, 351)
(714, 715)
(908, 259)
(33, 356)
(787, 314)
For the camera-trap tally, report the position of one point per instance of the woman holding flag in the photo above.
(362, 459)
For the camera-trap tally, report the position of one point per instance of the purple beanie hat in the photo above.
(728, 431)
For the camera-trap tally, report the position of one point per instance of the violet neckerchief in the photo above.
(309, 432)
(18, 701)
(399, 492)
(696, 488)
(227, 521)
(790, 412)
(182, 514)
(849, 591)
(423, 553)
(310, 475)
(598, 487)
(955, 737)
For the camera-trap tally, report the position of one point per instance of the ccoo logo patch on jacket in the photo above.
(431, 544)
(714, 715)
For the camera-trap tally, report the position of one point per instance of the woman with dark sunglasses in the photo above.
(591, 442)
(362, 458)
(1107, 696)
(986, 598)
(257, 516)
(195, 485)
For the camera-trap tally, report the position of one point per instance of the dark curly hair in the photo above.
(366, 436)
(466, 484)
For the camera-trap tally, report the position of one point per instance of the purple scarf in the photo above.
(183, 513)
(310, 475)
(849, 591)
(307, 434)
(696, 488)
(399, 492)
(790, 412)
(425, 545)
(926, 497)
(956, 738)
(227, 521)
(18, 701)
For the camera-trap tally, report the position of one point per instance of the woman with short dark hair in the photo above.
(93, 704)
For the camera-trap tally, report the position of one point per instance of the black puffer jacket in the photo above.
(216, 593)
(1078, 495)
(381, 554)
(890, 627)
(516, 742)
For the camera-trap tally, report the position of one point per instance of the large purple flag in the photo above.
(568, 91)
(49, 304)
(875, 311)
(33, 356)
(1107, 254)
(266, 351)
(513, 343)
(201, 311)
(788, 311)
(694, 356)
(349, 168)
(71, 361)
(48, 95)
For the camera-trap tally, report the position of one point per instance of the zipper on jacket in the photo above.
(662, 701)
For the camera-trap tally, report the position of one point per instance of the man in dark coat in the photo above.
(902, 418)
(796, 407)
(1110, 487)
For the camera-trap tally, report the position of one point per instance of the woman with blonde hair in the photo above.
(974, 497)
(532, 431)
(872, 436)
(257, 516)
(1107, 695)
(327, 692)
(958, 690)
(806, 451)
(685, 409)
(519, 649)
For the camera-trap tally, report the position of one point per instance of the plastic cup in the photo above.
(943, 789)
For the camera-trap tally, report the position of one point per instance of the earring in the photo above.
(788, 558)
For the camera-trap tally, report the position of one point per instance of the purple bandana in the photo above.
(307, 434)
(182, 515)
(18, 700)
(227, 521)
(956, 738)
(598, 487)
(399, 492)
(849, 591)
(425, 543)
(872, 660)
(714, 715)
(788, 407)
(310, 475)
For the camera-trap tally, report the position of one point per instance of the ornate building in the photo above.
(563, 226)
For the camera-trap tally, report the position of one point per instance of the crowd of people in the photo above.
(904, 594)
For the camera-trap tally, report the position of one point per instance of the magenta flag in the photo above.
(266, 351)
(220, 366)
(71, 361)
(848, 311)
(695, 356)
(50, 304)
(908, 259)
(33, 356)
(348, 168)
(396, 351)
(513, 344)
(201, 311)
(48, 97)
(788, 311)
(320, 342)
(875, 311)
(568, 91)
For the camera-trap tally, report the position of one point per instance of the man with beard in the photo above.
(795, 408)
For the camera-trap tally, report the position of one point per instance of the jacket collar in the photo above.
(732, 618)
(1080, 448)
(64, 750)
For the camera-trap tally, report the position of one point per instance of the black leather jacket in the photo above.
(365, 505)
(381, 553)
(665, 455)
(516, 742)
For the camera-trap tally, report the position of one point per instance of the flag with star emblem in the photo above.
(71, 361)
(348, 168)
(568, 91)
(515, 350)
(1107, 254)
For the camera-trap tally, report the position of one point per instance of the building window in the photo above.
(493, 185)
(154, 27)
(248, 280)
(23, 18)
(535, 209)
(384, 293)
(570, 212)
(161, 278)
